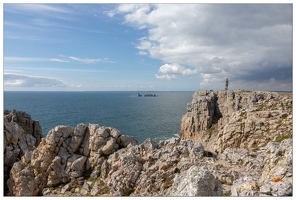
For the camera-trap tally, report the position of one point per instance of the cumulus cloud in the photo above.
(246, 42)
(171, 69)
(175, 69)
(19, 80)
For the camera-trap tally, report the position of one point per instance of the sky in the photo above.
(147, 47)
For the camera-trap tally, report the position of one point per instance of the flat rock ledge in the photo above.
(93, 160)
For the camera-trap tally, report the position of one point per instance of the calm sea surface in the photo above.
(158, 118)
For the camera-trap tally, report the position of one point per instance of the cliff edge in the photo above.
(242, 119)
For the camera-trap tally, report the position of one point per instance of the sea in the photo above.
(158, 118)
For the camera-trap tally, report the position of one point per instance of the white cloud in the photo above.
(166, 77)
(59, 60)
(19, 80)
(91, 60)
(40, 8)
(61, 11)
(233, 40)
(64, 60)
(171, 70)
(24, 59)
(142, 53)
(86, 60)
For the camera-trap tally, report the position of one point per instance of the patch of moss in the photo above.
(93, 179)
(281, 138)
(104, 191)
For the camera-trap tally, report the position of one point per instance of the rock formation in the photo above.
(93, 160)
(64, 155)
(21, 136)
(246, 119)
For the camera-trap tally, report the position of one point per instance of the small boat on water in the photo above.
(139, 95)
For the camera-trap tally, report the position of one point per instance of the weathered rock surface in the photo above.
(196, 182)
(167, 168)
(21, 136)
(246, 119)
(65, 154)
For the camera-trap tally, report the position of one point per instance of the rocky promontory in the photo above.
(242, 119)
(93, 160)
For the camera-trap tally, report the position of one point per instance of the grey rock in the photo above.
(85, 189)
(109, 146)
(196, 182)
(281, 189)
(45, 191)
(65, 188)
(125, 140)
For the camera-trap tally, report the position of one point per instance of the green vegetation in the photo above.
(281, 138)
(105, 190)
(213, 129)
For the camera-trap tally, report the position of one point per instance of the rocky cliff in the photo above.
(242, 119)
(93, 160)
(21, 136)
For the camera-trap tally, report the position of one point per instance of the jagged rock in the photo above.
(196, 182)
(109, 146)
(278, 166)
(45, 191)
(125, 140)
(246, 119)
(77, 138)
(66, 188)
(148, 169)
(245, 186)
(85, 188)
(66, 153)
(95, 189)
(21, 136)
(276, 189)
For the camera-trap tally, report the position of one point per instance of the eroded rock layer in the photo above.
(242, 119)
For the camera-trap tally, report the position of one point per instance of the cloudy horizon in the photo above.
(134, 47)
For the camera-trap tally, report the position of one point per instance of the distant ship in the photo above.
(139, 95)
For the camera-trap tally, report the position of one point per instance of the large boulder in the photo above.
(196, 181)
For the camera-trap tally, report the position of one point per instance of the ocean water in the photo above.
(158, 118)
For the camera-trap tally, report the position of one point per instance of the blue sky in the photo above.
(147, 47)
